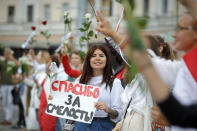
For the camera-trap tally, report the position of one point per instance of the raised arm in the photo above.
(105, 28)
(67, 68)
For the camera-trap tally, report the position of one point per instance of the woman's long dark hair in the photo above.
(87, 69)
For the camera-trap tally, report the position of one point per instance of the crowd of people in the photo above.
(161, 96)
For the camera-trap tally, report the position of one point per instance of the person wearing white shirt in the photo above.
(97, 71)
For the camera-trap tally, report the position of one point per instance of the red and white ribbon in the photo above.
(121, 17)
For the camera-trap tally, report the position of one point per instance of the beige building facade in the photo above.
(18, 16)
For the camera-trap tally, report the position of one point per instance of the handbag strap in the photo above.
(127, 107)
(136, 79)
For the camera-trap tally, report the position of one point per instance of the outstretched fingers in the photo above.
(101, 18)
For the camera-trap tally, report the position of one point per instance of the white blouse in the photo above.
(111, 99)
(61, 74)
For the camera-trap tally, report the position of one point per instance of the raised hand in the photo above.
(104, 26)
(64, 50)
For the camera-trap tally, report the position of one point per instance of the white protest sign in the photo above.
(73, 101)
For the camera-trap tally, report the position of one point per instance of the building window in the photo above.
(47, 13)
(30, 11)
(164, 6)
(11, 10)
(146, 7)
(106, 7)
(65, 7)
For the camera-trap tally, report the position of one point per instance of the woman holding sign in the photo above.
(97, 71)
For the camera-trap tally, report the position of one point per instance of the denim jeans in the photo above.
(98, 124)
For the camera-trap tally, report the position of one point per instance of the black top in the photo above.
(178, 114)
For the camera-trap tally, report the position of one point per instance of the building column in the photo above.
(21, 12)
(171, 6)
(153, 8)
(36, 11)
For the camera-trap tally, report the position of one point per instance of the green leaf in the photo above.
(41, 32)
(83, 38)
(13, 70)
(84, 24)
(90, 33)
(82, 30)
(133, 70)
(24, 68)
(95, 35)
(141, 21)
(88, 24)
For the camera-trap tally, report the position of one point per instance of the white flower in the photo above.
(66, 13)
(23, 59)
(88, 16)
(65, 42)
